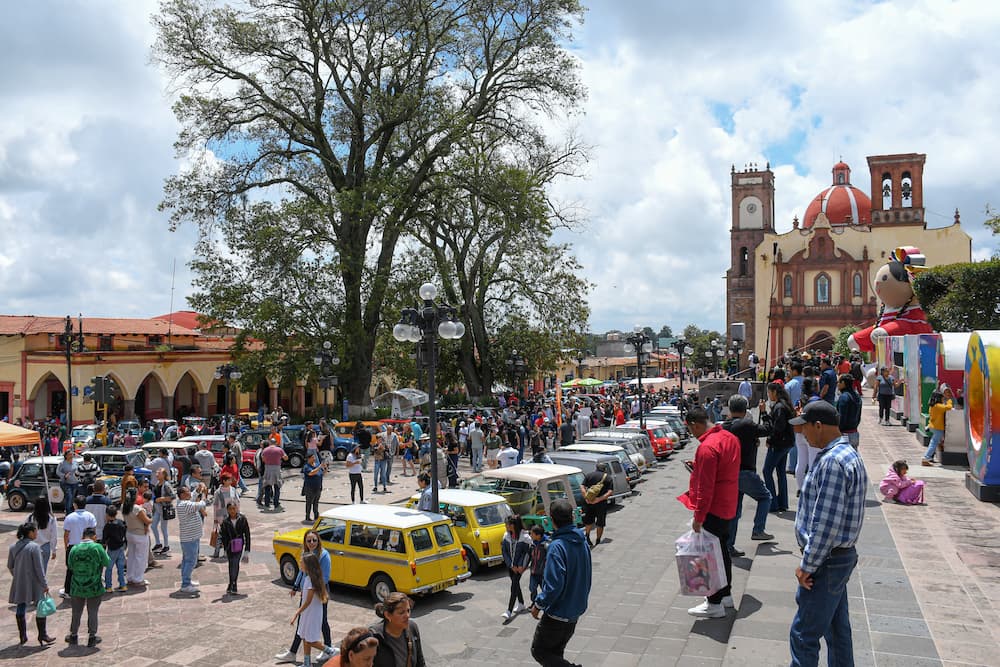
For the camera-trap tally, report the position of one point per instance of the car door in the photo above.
(331, 535)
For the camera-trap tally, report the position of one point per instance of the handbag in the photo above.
(169, 511)
(213, 541)
(46, 607)
(236, 545)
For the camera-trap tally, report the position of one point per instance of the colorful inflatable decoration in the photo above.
(982, 414)
(901, 313)
(952, 349)
(920, 368)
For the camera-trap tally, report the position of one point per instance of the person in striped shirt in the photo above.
(190, 521)
(827, 525)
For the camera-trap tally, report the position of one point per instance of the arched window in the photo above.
(744, 260)
(906, 190)
(788, 285)
(886, 191)
(857, 284)
(840, 178)
(822, 289)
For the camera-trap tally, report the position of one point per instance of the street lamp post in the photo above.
(643, 346)
(71, 343)
(229, 372)
(737, 348)
(516, 365)
(423, 325)
(580, 356)
(325, 359)
(682, 348)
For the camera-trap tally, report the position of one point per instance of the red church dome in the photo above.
(842, 203)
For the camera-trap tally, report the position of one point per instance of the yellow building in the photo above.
(797, 289)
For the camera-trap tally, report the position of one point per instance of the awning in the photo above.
(11, 436)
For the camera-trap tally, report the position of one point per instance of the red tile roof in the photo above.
(30, 324)
(187, 319)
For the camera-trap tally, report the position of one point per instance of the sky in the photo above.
(678, 94)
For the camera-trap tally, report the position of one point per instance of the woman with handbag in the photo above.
(27, 581)
(224, 495)
(234, 534)
(163, 511)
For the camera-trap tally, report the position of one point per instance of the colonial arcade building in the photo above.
(795, 290)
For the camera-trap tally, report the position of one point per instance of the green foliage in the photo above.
(961, 297)
(665, 332)
(700, 341)
(840, 340)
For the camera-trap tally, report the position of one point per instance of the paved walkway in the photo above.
(924, 592)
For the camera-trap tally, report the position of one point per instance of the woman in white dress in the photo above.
(310, 614)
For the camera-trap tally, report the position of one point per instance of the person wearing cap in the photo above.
(562, 597)
(827, 526)
(712, 495)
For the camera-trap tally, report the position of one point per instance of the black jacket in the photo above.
(749, 433)
(782, 436)
(228, 530)
(384, 656)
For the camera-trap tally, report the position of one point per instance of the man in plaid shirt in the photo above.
(827, 526)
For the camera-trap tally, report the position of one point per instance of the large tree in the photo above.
(488, 228)
(344, 110)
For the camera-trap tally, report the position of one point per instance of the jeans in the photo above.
(388, 467)
(477, 459)
(312, 503)
(720, 528)
(161, 532)
(234, 568)
(937, 435)
(774, 462)
(272, 495)
(240, 483)
(805, 455)
(93, 605)
(260, 490)
(381, 475)
(534, 581)
(69, 495)
(751, 485)
(823, 612)
(189, 558)
(453, 471)
(46, 556)
(117, 557)
(793, 459)
(549, 642)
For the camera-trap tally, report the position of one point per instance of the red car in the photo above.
(659, 438)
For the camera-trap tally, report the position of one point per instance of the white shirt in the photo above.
(507, 457)
(355, 467)
(49, 534)
(76, 523)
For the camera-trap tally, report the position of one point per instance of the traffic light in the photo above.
(101, 389)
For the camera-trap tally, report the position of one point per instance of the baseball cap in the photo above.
(817, 411)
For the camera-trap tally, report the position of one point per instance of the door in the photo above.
(331, 534)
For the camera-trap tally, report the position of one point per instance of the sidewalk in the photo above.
(922, 593)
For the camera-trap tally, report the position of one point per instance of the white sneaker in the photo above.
(708, 610)
(190, 590)
(728, 603)
(507, 615)
(329, 652)
(518, 608)
(287, 656)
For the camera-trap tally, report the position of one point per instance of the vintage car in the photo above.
(130, 426)
(479, 520)
(631, 470)
(620, 440)
(383, 548)
(589, 462)
(28, 483)
(291, 442)
(175, 448)
(660, 437)
(114, 459)
(88, 435)
(530, 488)
(343, 436)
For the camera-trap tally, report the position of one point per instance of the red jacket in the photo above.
(714, 485)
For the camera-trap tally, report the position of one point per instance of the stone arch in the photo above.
(127, 393)
(160, 381)
(821, 340)
(41, 382)
(199, 383)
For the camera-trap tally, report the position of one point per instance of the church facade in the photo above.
(796, 289)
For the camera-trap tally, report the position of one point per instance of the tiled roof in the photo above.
(31, 324)
(185, 318)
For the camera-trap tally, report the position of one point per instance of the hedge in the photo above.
(961, 297)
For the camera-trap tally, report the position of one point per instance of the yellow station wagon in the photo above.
(479, 520)
(383, 548)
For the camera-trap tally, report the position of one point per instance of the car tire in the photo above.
(295, 460)
(340, 455)
(289, 568)
(248, 471)
(380, 587)
(17, 501)
(474, 565)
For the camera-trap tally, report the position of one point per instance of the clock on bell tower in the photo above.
(753, 216)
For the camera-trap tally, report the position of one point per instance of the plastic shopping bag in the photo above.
(699, 563)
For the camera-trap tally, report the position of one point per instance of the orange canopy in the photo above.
(11, 435)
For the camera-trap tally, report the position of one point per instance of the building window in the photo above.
(840, 179)
(906, 190)
(788, 285)
(744, 260)
(857, 284)
(822, 289)
(154, 340)
(105, 343)
(886, 191)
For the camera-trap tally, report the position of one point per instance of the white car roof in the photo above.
(466, 497)
(167, 444)
(593, 447)
(531, 471)
(392, 516)
(201, 438)
(49, 460)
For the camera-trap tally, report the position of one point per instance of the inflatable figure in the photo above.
(900, 313)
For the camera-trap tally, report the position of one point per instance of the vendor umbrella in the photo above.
(402, 401)
(11, 436)
(589, 382)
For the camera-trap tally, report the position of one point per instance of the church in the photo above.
(795, 290)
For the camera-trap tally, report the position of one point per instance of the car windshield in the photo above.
(493, 515)
(659, 433)
(442, 534)
(482, 483)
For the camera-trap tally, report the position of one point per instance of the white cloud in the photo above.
(677, 94)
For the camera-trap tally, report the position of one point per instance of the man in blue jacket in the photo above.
(565, 588)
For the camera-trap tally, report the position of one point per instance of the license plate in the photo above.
(440, 587)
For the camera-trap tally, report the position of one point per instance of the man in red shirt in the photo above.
(712, 494)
